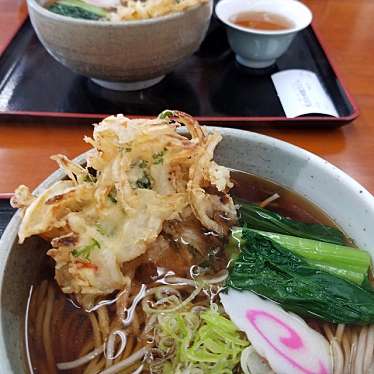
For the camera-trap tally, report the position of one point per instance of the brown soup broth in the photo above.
(262, 21)
(70, 327)
(254, 189)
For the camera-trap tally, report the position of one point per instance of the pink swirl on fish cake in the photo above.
(292, 341)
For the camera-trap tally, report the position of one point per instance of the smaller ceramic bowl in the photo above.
(124, 55)
(256, 48)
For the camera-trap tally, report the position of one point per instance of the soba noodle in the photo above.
(352, 347)
(120, 338)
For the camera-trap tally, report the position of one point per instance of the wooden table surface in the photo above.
(345, 27)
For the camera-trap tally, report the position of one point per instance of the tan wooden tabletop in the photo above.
(346, 29)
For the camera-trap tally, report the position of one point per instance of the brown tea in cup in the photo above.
(262, 20)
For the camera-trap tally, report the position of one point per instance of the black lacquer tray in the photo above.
(209, 85)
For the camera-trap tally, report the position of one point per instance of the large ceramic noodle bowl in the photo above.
(173, 248)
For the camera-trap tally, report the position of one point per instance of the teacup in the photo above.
(257, 48)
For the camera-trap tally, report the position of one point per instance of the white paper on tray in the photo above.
(300, 92)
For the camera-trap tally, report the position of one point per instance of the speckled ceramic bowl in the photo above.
(343, 199)
(121, 55)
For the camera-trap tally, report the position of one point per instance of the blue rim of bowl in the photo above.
(265, 32)
(45, 12)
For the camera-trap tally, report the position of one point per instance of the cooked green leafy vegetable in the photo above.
(77, 9)
(346, 262)
(270, 270)
(85, 251)
(255, 217)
